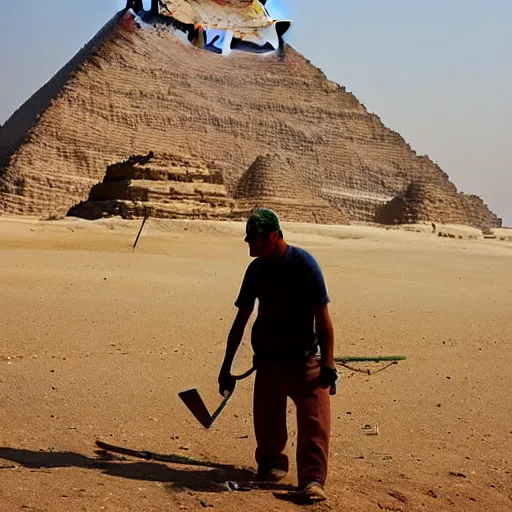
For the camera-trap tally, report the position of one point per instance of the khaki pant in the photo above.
(275, 382)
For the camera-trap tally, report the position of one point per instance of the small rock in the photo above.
(432, 493)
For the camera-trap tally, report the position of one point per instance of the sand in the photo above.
(96, 340)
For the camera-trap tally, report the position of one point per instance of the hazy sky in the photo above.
(438, 72)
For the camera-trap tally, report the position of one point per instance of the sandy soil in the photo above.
(96, 340)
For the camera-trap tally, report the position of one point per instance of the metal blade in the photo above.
(197, 407)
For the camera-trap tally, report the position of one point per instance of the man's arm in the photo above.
(226, 382)
(235, 336)
(325, 335)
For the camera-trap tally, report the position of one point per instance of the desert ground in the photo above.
(96, 340)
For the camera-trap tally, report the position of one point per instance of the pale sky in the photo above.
(438, 72)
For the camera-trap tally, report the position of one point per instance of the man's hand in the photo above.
(226, 382)
(328, 378)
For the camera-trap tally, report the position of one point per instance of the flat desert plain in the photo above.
(96, 340)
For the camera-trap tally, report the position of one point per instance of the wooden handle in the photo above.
(245, 375)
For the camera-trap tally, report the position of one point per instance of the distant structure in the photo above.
(141, 121)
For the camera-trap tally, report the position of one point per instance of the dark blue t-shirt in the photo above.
(286, 290)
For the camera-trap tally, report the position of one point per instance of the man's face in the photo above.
(261, 246)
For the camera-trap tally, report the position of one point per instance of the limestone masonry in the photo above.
(140, 123)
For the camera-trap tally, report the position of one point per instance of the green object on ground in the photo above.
(367, 358)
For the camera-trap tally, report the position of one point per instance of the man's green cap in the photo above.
(262, 222)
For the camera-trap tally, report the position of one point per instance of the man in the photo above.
(293, 322)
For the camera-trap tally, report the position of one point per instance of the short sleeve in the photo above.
(315, 282)
(247, 294)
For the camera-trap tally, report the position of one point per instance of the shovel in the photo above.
(192, 399)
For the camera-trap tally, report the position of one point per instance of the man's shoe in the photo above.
(312, 492)
(272, 475)
(309, 494)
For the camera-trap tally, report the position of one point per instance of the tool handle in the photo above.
(228, 394)
(350, 359)
(244, 375)
(223, 404)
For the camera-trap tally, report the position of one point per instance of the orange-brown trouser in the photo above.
(275, 382)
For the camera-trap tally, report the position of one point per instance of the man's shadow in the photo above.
(209, 477)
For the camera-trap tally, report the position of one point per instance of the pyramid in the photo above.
(132, 91)
(273, 182)
(422, 202)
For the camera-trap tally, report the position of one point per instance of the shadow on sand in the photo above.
(209, 477)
